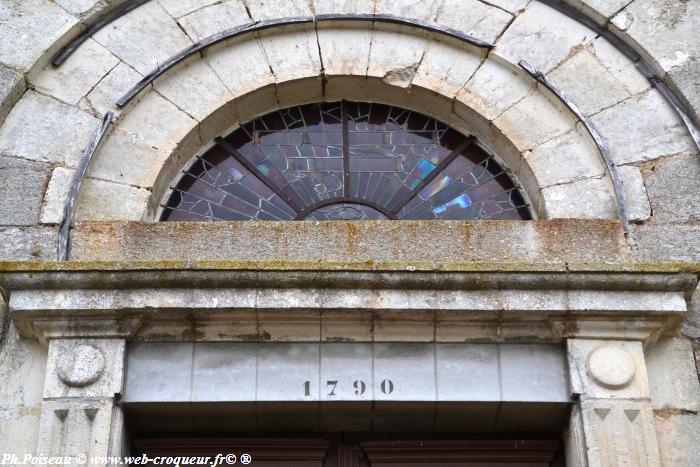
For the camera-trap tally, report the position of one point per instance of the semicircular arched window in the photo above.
(345, 161)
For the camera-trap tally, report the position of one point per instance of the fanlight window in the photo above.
(345, 161)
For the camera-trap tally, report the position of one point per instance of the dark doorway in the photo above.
(359, 450)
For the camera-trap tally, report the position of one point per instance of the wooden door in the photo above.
(291, 452)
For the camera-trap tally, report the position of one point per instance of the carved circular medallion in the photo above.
(82, 366)
(611, 367)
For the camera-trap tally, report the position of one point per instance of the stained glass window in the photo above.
(345, 161)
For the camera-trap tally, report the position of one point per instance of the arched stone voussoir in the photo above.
(207, 95)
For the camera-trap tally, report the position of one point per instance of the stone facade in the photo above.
(64, 377)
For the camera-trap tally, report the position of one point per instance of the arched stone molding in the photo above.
(404, 67)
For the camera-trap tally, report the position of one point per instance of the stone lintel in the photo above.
(422, 312)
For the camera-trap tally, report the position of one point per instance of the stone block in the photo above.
(599, 10)
(350, 367)
(71, 427)
(565, 159)
(241, 65)
(159, 372)
(493, 89)
(346, 326)
(42, 129)
(178, 8)
(113, 86)
(425, 10)
(156, 121)
(304, 326)
(131, 37)
(533, 121)
(194, 88)
(512, 6)
(123, 159)
(672, 188)
(665, 242)
(691, 324)
(276, 383)
(22, 370)
(21, 191)
(78, 75)
(404, 372)
(591, 198)
(618, 65)
(396, 54)
(39, 24)
(403, 326)
(337, 57)
(588, 83)
(665, 31)
(685, 79)
(638, 208)
(479, 19)
(27, 243)
(85, 9)
(212, 19)
(84, 368)
(12, 86)
(677, 435)
(292, 54)
(224, 371)
(324, 7)
(595, 300)
(471, 370)
(446, 66)
(552, 241)
(543, 37)
(673, 378)
(642, 128)
(265, 9)
(600, 369)
(619, 433)
(533, 373)
(97, 199)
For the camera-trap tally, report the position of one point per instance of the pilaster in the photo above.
(612, 423)
(80, 415)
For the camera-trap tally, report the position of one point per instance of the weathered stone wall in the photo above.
(47, 116)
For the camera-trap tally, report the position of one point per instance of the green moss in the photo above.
(332, 265)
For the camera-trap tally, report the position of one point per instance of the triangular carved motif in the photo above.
(631, 414)
(91, 413)
(602, 413)
(61, 414)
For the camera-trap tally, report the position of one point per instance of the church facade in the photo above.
(349, 232)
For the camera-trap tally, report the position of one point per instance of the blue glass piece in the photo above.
(460, 202)
(421, 171)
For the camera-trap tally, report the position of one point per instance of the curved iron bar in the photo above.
(620, 196)
(113, 15)
(643, 67)
(663, 88)
(68, 208)
(558, 5)
(257, 26)
(344, 199)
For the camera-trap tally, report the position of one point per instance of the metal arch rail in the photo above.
(69, 206)
(643, 67)
(113, 15)
(257, 26)
(620, 196)
(558, 5)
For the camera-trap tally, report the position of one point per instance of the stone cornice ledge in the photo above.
(450, 302)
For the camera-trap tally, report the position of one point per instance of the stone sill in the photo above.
(329, 245)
